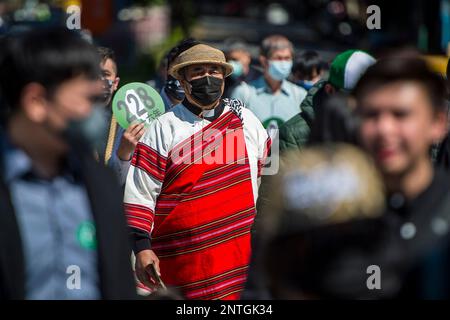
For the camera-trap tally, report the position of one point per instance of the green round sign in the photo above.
(137, 102)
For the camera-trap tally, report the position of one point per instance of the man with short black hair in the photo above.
(119, 144)
(62, 228)
(109, 72)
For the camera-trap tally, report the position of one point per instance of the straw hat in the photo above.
(199, 54)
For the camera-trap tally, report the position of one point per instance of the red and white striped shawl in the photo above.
(203, 210)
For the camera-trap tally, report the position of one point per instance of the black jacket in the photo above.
(115, 273)
(428, 251)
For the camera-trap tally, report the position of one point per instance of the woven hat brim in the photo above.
(175, 70)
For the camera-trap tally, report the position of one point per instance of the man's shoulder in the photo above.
(293, 123)
(247, 116)
(242, 89)
(294, 133)
(292, 86)
(253, 85)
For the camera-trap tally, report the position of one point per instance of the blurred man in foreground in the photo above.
(321, 228)
(62, 229)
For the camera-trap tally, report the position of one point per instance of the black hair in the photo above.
(394, 69)
(45, 56)
(106, 53)
(334, 121)
(182, 46)
(306, 63)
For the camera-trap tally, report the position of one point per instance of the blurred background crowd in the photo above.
(141, 32)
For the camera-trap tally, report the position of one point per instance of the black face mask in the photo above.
(106, 95)
(206, 90)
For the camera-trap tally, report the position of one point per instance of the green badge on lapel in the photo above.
(86, 235)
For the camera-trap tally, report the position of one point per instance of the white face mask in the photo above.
(280, 70)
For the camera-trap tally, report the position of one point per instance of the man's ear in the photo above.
(34, 102)
(439, 127)
(116, 84)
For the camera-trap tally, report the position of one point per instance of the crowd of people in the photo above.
(186, 208)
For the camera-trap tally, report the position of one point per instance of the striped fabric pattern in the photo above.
(149, 160)
(204, 215)
(193, 188)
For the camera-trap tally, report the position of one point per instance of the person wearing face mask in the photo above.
(239, 57)
(191, 190)
(117, 144)
(172, 92)
(272, 98)
(61, 213)
(345, 70)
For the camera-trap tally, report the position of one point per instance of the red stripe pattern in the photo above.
(204, 213)
(139, 217)
(154, 164)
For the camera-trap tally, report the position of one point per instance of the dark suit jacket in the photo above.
(116, 278)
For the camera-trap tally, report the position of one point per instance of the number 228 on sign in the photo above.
(137, 102)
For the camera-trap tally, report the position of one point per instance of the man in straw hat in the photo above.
(191, 190)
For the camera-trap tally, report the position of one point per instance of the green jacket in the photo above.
(295, 132)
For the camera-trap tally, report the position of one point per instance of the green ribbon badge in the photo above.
(137, 102)
(273, 123)
(86, 235)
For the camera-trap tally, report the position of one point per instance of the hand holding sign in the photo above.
(137, 102)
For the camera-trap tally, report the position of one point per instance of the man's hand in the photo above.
(144, 271)
(130, 140)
